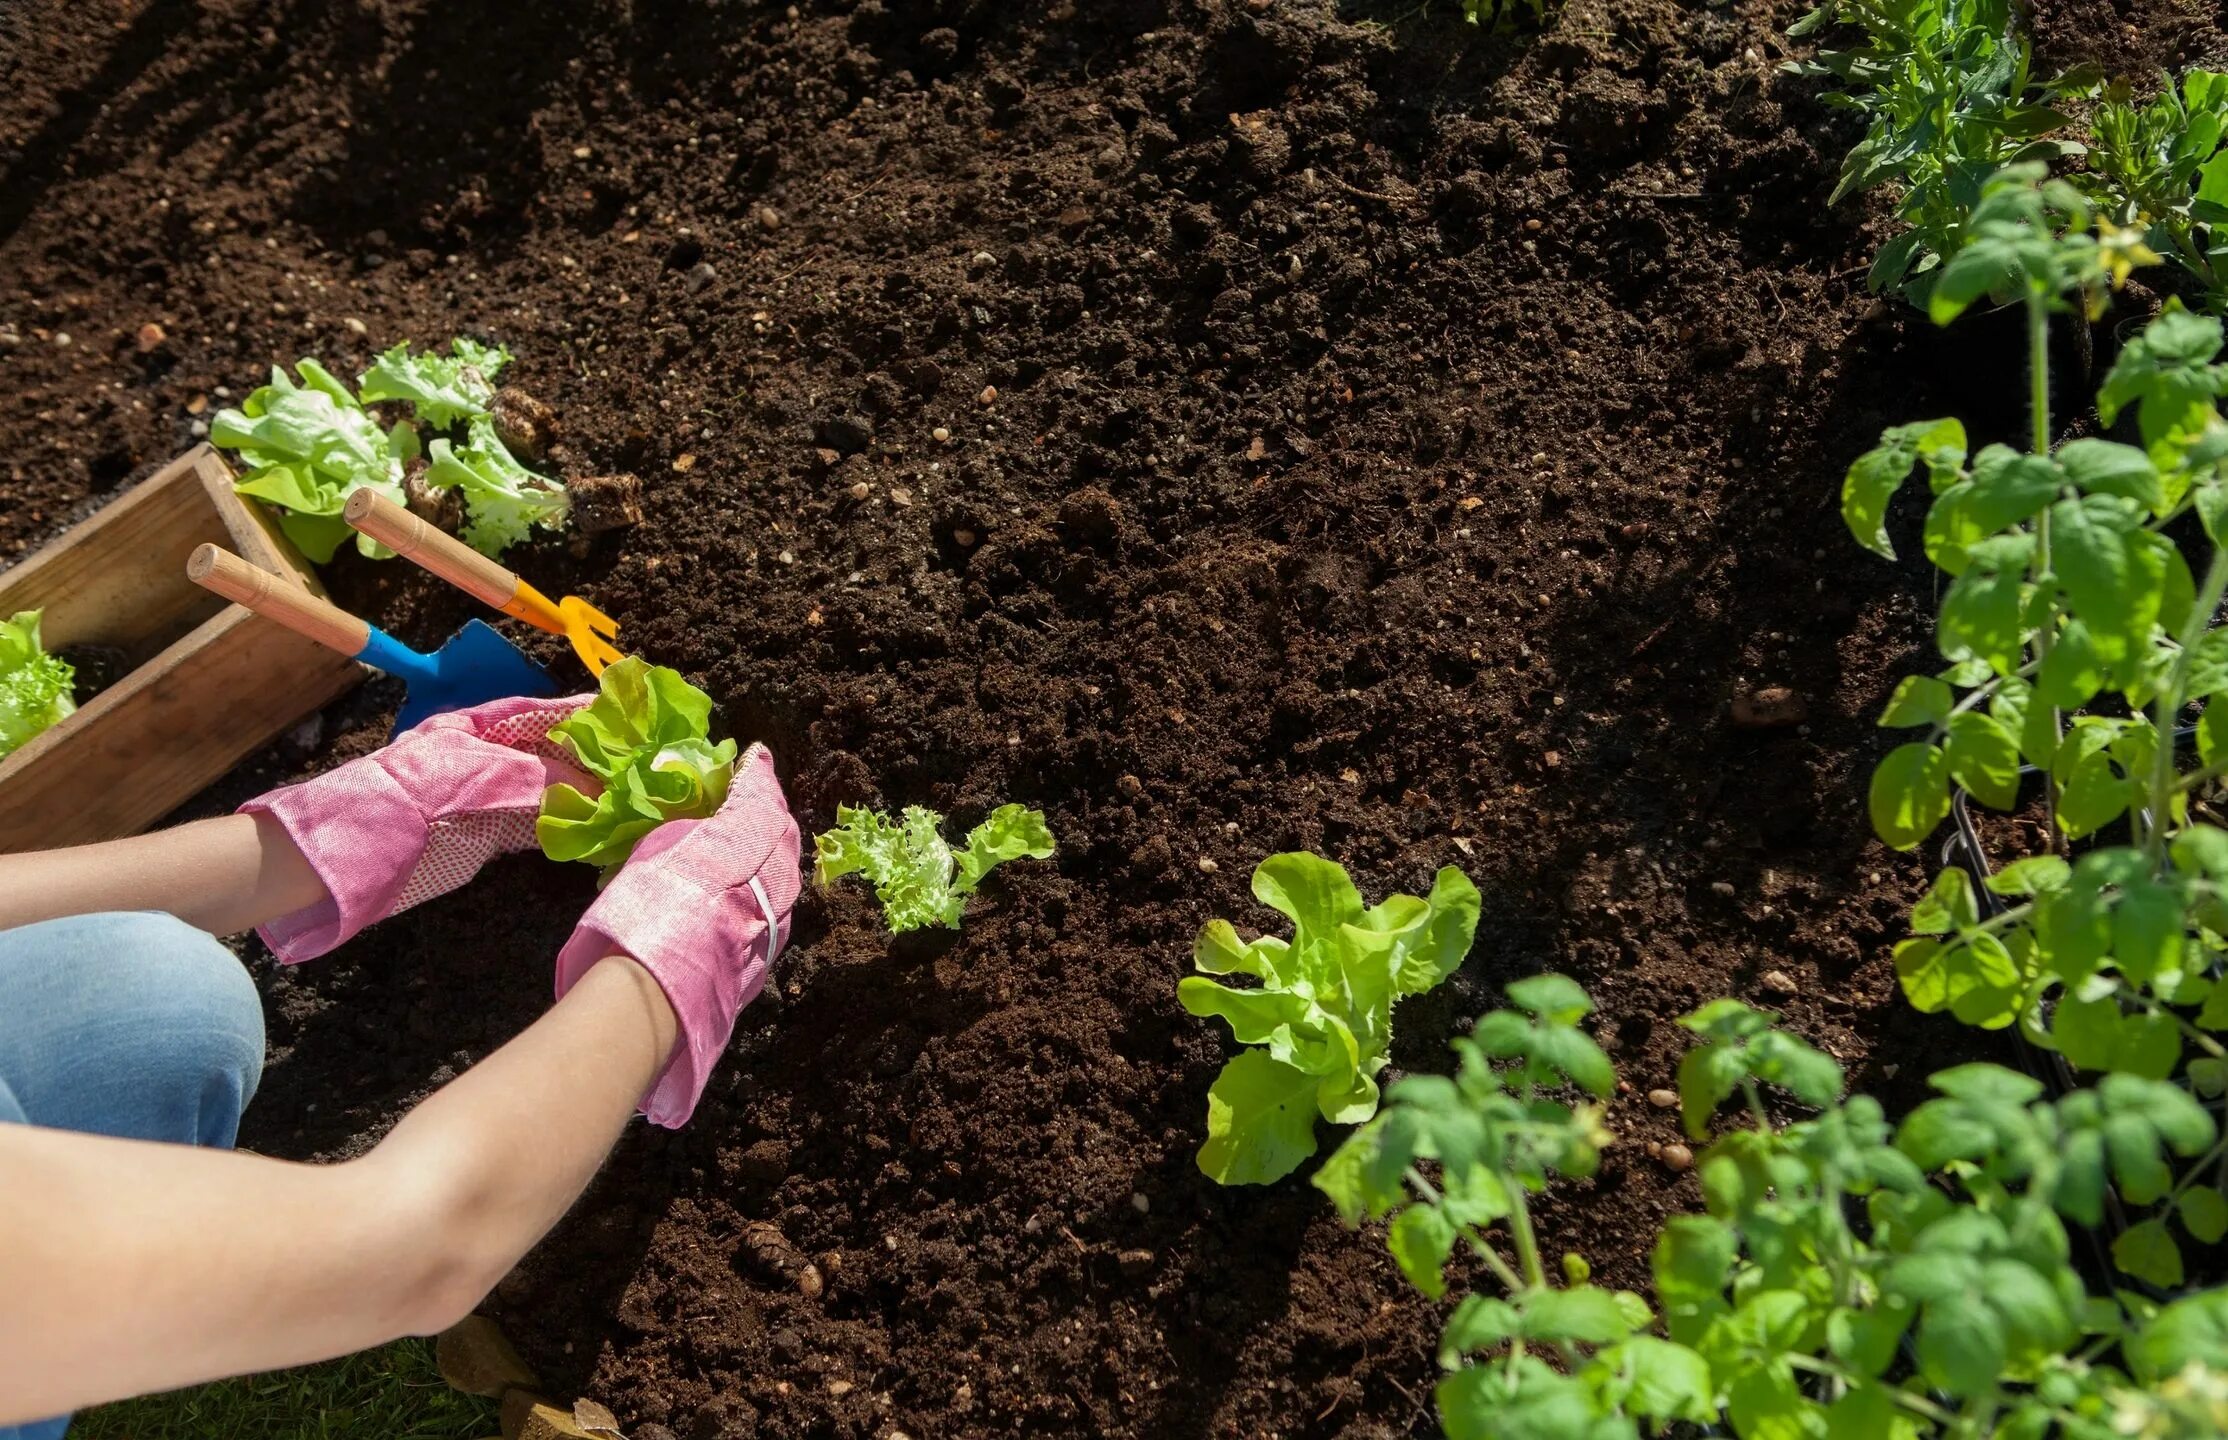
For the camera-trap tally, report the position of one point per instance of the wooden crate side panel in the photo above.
(119, 578)
(255, 532)
(163, 733)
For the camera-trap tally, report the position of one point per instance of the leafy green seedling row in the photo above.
(309, 446)
(2074, 637)
(1850, 1280)
(1949, 96)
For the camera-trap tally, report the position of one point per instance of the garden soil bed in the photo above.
(1406, 441)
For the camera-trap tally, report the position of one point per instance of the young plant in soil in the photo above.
(646, 736)
(1322, 1010)
(918, 878)
(1849, 1279)
(35, 687)
(310, 446)
(2161, 166)
(1949, 97)
(2076, 635)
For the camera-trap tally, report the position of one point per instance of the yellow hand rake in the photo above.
(590, 630)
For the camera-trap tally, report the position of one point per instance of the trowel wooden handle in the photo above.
(219, 570)
(451, 559)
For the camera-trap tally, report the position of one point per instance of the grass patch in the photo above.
(392, 1393)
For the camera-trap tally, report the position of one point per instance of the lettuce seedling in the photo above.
(646, 737)
(34, 686)
(441, 389)
(918, 878)
(1323, 1010)
(308, 447)
(502, 498)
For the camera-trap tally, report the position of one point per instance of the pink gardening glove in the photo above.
(703, 905)
(418, 818)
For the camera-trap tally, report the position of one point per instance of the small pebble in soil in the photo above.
(150, 336)
(1723, 889)
(1663, 1099)
(860, 489)
(1770, 707)
(940, 434)
(1139, 1203)
(1207, 865)
(1779, 982)
(901, 497)
(989, 394)
(964, 539)
(1678, 1157)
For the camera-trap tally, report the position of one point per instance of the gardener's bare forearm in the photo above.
(223, 875)
(132, 1267)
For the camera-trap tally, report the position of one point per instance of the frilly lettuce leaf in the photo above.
(1322, 1012)
(502, 498)
(917, 877)
(441, 389)
(308, 447)
(645, 736)
(34, 686)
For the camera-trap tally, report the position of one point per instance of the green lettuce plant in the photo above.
(440, 389)
(34, 686)
(502, 498)
(1848, 1279)
(308, 447)
(1321, 1010)
(918, 878)
(646, 737)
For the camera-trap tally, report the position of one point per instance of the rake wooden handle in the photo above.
(451, 559)
(219, 570)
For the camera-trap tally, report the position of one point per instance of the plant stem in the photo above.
(1917, 1405)
(2169, 705)
(2038, 399)
(1527, 1242)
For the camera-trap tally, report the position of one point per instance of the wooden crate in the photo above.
(209, 682)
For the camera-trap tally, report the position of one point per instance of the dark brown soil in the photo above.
(1406, 442)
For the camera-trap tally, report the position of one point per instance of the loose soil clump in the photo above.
(1228, 428)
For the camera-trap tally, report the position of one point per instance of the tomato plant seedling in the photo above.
(1949, 98)
(2161, 167)
(1848, 1278)
(2076, 636)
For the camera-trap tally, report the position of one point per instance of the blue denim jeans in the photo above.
(133, 1025)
